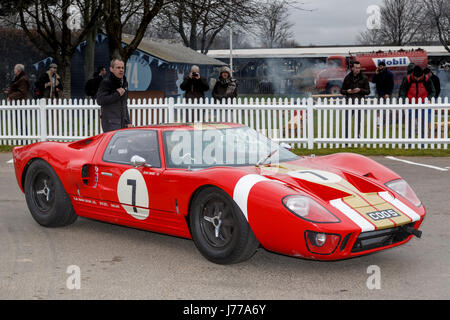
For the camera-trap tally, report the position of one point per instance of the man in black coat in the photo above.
(92, 85)
(355, 86)
(384, 79)
(435, 79)
(112, 96)
(194, 85)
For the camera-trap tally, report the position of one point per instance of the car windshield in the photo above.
(215, 146)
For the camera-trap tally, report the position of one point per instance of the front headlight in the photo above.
(401, 187)
(308, 209)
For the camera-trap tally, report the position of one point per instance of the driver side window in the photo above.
(128, 143)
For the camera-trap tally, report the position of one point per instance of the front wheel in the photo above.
(219, 229)
(46, 198)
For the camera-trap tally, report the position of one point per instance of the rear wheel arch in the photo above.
(25, 170)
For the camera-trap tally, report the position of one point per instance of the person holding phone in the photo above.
(194, 85)
(355, 87)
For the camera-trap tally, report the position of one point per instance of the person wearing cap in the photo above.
(384, 80)
(194, 85)
(49, 84)
(226, 85)
(417, 87)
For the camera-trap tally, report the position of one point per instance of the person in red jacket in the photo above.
(417, 87)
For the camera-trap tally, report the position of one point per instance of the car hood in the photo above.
(367, 203)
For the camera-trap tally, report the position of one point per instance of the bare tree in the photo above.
(438, 12)
(273, 27)
(402, 22)
(199, 22)
(49, 21)
(118, 13)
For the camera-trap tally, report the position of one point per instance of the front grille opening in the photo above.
(344, 242)
(380, 238)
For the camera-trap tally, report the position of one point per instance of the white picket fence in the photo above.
(306, 123)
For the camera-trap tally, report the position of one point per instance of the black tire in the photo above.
(46, 198)
(219, 229)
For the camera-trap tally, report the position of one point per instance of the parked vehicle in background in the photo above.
(330, 80)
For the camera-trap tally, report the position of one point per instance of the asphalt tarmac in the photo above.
(95, 260)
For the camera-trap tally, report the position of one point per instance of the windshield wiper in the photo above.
(263, 160)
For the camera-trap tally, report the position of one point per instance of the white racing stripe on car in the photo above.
(352, 215)
(400, 205)
(242, 190)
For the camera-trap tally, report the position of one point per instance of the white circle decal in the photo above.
(316, 176)
(133, 194)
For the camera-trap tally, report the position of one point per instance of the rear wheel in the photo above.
(219, 229)
(46, 198)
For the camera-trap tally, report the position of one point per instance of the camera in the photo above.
(194, 74)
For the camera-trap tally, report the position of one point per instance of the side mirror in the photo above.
(286, 145)
(137, 161)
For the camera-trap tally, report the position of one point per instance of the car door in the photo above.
(131, 192)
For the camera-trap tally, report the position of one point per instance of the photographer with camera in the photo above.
(194, 85)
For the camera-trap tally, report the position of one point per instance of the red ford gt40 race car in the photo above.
(224, 185)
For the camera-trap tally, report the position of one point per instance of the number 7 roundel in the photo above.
(133, 194)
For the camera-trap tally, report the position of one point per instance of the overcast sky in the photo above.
(331, 22)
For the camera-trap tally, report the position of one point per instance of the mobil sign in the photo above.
(393, 61)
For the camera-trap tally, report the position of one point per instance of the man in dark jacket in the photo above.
(194, 85)
(112, 96)
(49, 84)
(355, 86)
(92, 85)
(226, 85)
(19, 88)
(435, 79)
(384, 80)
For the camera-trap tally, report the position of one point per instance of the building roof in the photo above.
(172, 52)
(307, 52)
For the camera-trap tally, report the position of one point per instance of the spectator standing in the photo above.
(92, 85)
(417, 86)
(49, 84)
(20, 86)
(444, 75)
(384, 80)
(194, 85)
(355, 86)
(435, 79)
(112, 96)
(226, 85)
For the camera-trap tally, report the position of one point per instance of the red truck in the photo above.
(330, 80)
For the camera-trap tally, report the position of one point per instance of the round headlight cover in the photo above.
(401, 187)
(308, 209)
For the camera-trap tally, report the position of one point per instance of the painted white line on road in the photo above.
(417, 164)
